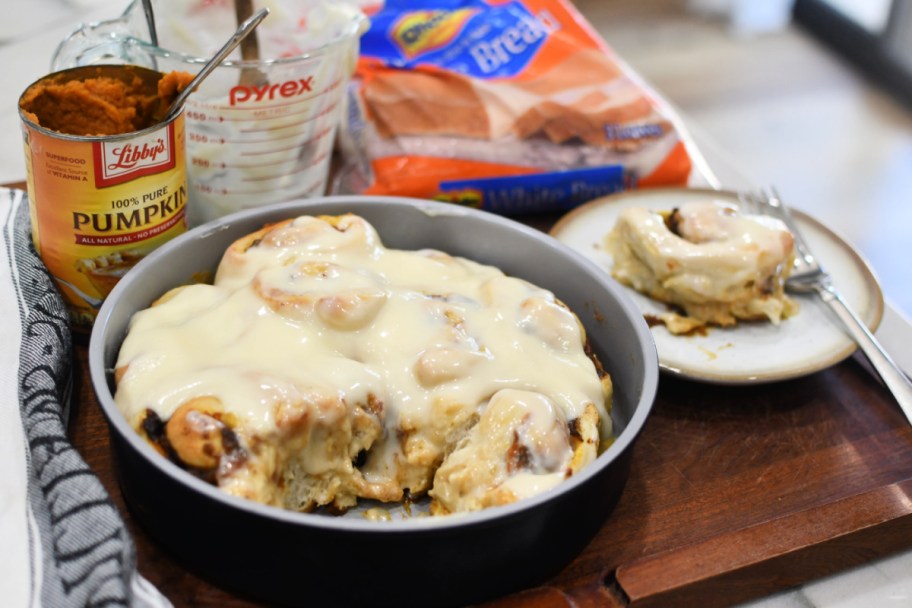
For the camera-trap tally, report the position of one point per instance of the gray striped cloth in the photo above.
(62, 540)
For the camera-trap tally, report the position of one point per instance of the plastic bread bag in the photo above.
(515, 107)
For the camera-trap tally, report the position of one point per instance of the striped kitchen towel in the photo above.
(62, 540)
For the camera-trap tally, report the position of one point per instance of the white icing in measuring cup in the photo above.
(250, 141)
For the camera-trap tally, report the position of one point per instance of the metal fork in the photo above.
(810, 277)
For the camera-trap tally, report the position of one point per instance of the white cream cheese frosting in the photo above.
(341, 369)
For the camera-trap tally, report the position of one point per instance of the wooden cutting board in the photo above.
(734, 493)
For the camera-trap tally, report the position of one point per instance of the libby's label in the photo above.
(100, 206)
(120, 161)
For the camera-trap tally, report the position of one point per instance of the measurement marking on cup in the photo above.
(205, 139)
(271, 140)
(260, 119)
(322, 113)
(317, 160)
(225, 192)
(203, 163)
(270, 107)
(208, 139)
(320, 135)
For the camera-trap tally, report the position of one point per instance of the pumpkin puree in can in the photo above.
(106, 175)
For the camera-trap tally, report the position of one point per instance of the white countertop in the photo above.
(29, 33)
(26, 46)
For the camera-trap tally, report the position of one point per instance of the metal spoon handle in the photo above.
(241, 33)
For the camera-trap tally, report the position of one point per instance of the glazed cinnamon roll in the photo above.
(711, 263)
(322, 369)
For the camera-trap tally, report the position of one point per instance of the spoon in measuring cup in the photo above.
(241, 33)
(250, 47)
(150, 21)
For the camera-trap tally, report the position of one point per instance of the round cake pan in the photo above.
(288, 558)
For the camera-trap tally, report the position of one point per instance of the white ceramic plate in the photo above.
(749, 352)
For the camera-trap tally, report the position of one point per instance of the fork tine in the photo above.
(766, 201)
(775, 204)
(757, 202)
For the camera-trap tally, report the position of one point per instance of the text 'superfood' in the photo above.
(322, 367)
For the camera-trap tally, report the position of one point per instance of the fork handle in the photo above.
(889, 371)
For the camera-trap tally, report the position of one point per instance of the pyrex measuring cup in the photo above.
(258, 132)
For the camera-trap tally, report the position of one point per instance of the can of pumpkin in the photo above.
(107, 179)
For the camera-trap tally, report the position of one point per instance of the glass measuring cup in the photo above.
(258, 132)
